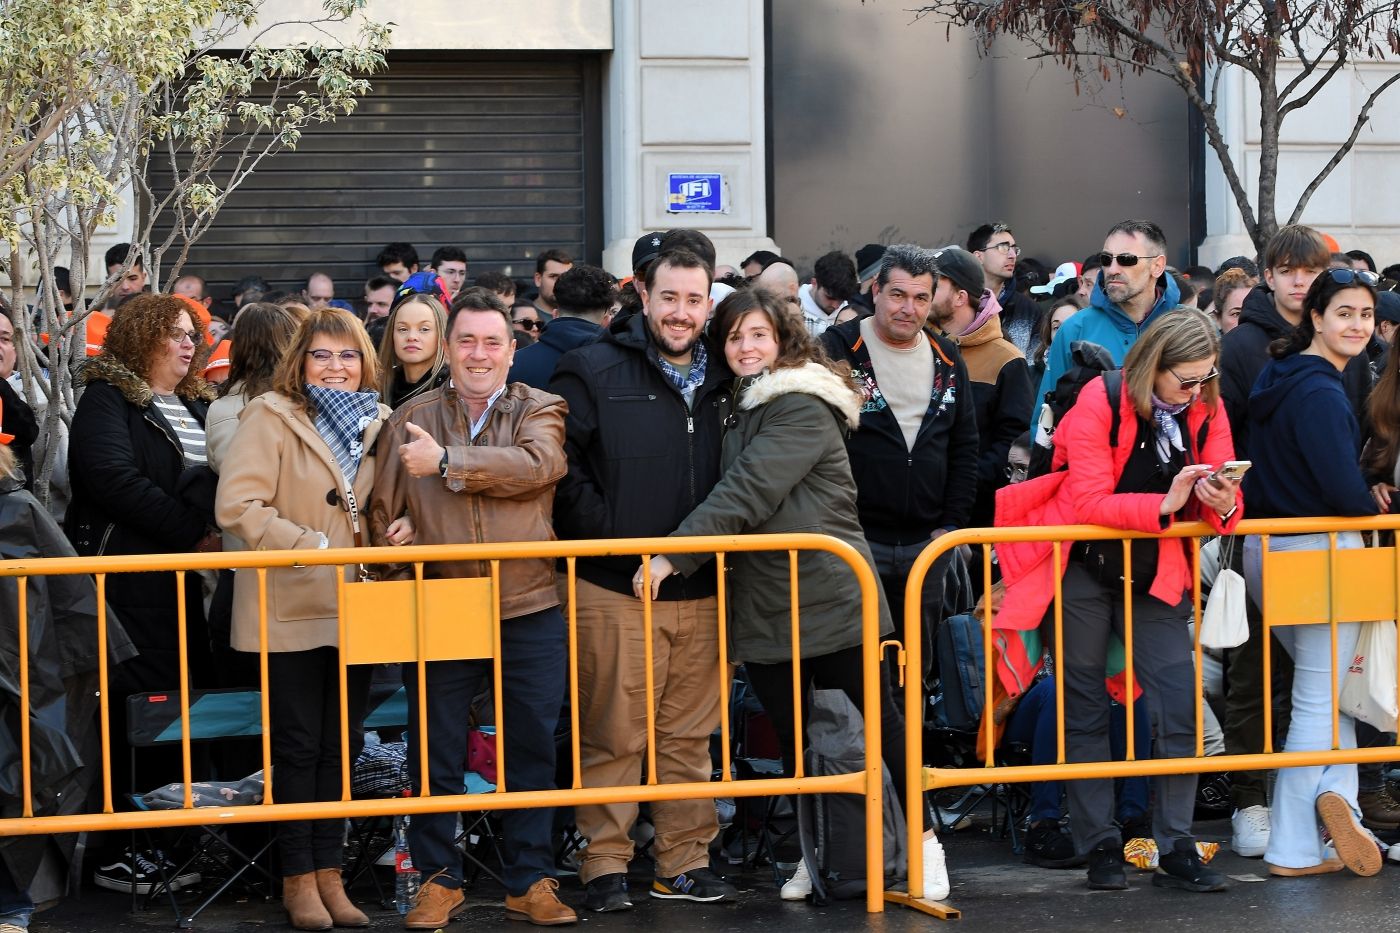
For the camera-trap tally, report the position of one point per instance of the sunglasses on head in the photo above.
(1348, 276)
(1126, 260)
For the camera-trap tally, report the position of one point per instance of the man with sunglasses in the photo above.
(1131, 291)
(1294, 257)
(994, 246)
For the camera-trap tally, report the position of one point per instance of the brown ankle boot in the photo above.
(332, 890)
(303, 903)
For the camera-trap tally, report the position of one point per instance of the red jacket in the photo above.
(1083, 494)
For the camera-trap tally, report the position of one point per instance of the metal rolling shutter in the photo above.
(499, 157)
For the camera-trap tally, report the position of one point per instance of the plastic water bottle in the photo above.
(406, 877)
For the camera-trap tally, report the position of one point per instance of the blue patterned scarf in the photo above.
(341, 419)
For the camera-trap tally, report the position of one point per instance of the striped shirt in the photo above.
(186, 427)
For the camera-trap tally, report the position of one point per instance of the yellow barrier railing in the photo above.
(1323, 586)
(867, 783)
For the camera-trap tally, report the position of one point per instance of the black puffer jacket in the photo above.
(639, 460)
(127, 468)
(1245, 351)
(905, 495)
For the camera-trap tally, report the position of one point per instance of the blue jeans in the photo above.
(1294, 839)
(15, 905)
(534, 657)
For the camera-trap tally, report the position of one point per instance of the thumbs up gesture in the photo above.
(421, 455)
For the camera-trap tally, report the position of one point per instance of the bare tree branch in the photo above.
(1362, 118)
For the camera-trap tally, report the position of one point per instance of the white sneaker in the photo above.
(935, 870)
(1251, 831)
(799, 885)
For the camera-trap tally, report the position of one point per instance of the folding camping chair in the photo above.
(372, 837)
(153, 719)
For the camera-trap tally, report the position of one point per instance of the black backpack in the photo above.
(1089, 360)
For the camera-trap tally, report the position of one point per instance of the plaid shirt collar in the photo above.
(692, 380)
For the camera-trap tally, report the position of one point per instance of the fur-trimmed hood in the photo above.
(811, 379)
(107, 368)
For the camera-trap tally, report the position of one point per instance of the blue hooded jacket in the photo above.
(1305, 443)
(1103, 323)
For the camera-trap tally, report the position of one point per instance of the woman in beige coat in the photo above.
(300, 463)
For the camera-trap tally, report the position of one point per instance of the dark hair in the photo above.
(62, 280)
(978, 239)
(1047, 332)
(1184, 286)
(247, 284)
(764, 257)
(497, 282)
(1324, 289)
(142, 328)
(692, 240)
(1031, 273)
(796, 346)
(1383, 408)
(1297, 245)
(1146, 229)
(915, 260)
(679, 259)
(403, 253)
(260, 339)
(585, 289)
(836, 275)
(116, 256)
(1090, 264)
(375, 283)
(552, 255)
(1365, 257)
(477, 298)
(1244, 263)
(447, 254)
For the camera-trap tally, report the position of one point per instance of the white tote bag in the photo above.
(1223, 624)
(1368, 687)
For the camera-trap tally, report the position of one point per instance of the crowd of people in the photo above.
(887, 400)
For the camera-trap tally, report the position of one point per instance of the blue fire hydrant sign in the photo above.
(701, 193)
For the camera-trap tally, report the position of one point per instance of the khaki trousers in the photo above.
(613, 724)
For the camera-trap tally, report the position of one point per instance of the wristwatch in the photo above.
(442, 464)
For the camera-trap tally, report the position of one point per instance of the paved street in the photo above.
(994, 889)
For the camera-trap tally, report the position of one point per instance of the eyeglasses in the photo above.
(1348, 276)
(1189, 384)
(529, 324)
(1126, 260)
(1008, 249)
(180, 335)
(346, 357)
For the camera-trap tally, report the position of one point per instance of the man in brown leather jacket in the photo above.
(477, 460)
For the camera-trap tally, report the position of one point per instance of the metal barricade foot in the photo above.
(940, 909)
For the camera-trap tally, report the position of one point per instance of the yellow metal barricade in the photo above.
(1328, 586)
(430, 629)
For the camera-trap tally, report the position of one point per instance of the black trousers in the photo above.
(304, 703)
(839, 670)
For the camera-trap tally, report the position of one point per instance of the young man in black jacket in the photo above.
(642, 436)
(1293, 258)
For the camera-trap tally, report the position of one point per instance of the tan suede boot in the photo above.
(303, 903)
(331, 887)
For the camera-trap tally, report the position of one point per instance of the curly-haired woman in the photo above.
(137, 433)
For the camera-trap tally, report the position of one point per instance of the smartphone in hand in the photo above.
(1233, 470)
